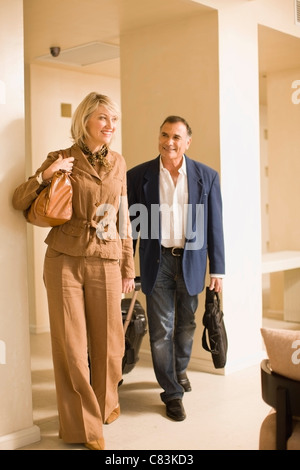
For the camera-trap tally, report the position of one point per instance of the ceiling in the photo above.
(71, 24)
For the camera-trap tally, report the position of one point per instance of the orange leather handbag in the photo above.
(53, 206)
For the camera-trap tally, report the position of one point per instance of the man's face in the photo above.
(173, 140)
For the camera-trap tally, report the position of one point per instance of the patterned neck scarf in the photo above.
(99, 156)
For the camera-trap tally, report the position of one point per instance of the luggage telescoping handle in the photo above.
(137, 287)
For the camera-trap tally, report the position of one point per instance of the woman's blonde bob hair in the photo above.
(84, 110)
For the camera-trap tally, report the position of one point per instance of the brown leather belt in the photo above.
(174, 250)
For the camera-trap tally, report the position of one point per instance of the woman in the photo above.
(88, 264)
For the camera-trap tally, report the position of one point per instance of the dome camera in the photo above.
(55, 51)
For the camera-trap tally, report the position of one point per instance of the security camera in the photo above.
(55, 51)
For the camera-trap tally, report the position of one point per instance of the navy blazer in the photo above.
(204, 239)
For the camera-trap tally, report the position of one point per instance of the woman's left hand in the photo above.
(127, 285)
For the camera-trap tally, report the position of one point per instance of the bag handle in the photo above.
(204, 341)
(214, 295)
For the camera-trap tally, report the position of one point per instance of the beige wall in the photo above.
(284, 172)
(16, 424)
(284, 161)
(181, 80)
(158, 80)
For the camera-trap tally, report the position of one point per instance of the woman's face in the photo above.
(101, 126)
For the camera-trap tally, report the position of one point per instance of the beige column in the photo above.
(240, 170)
(16, 421)
(172, 69)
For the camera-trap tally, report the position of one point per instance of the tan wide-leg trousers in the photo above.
(84, 298)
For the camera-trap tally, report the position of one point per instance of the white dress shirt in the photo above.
(173, 206)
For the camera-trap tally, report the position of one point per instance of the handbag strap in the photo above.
(204, 341)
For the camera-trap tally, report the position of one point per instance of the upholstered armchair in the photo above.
(280, 385)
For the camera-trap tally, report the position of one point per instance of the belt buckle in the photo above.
(173, 251)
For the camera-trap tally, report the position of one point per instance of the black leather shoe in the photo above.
(175, 409)
(184, 382)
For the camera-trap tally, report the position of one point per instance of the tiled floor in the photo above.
(223, 412)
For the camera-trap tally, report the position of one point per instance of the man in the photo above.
(176, 210)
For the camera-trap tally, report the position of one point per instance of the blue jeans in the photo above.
(171, 321)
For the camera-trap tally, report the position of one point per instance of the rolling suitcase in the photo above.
(135, 328)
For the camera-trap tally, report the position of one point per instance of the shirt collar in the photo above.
(181, 170)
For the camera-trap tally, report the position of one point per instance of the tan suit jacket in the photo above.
(97, 198)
